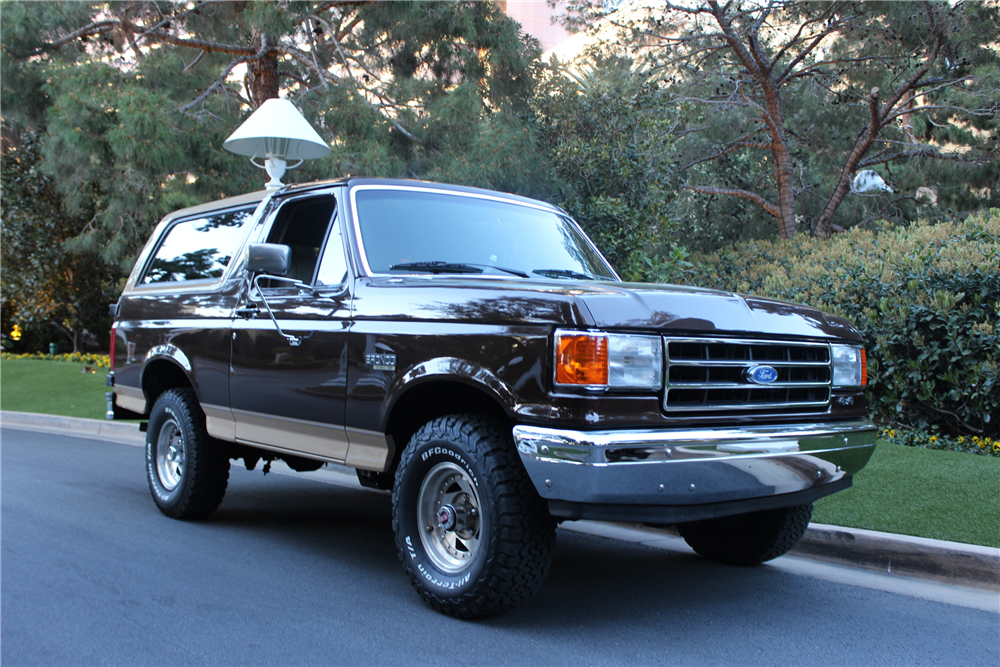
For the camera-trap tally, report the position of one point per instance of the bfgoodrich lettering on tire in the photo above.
(187, 474)
(471, 531)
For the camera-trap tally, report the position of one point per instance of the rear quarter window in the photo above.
(197, 248)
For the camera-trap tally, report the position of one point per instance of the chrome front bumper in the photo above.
(694, 466)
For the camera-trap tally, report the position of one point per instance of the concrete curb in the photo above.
(949, 562)
(123, 432)
(955, 563)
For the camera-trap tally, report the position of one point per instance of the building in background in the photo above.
(536, 19)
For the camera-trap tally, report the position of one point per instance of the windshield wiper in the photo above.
(562, 273)
(452, 267)
(435, 267)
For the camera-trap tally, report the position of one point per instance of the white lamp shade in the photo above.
(277, 129)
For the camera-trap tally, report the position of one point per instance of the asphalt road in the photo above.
(295, 571)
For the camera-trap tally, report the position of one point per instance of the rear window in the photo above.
(198, 248)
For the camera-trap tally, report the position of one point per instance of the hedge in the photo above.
(925, 298)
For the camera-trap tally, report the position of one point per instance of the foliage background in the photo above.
(99, 141)
(926, 299)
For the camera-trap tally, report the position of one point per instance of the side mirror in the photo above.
(270, 258)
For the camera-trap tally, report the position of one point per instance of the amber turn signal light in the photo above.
(581, 359)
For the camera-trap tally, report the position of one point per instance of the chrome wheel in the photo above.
(171, 455)
(448, 514)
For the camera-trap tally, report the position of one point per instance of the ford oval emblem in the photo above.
(761, 374)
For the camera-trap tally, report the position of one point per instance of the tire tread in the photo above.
(748, 539)
(206, 467)
(525, 530)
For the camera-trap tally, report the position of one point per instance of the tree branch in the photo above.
(733, 40)
(788, 71)
(172, 17)
(348, 29)
(879, 115)
(798, 33)
(212, 47)
(295, 77)
(736, 144)
(826, 63)
(193, 62)
(882, 158)
(726, 151)
(897, 95)
(688, 10)
(94, 28)
(218, 82)
(742, 194)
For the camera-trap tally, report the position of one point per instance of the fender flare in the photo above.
(169, 353)
(451, 369)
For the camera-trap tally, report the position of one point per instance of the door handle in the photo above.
(248, 311)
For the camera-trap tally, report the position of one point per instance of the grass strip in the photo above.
(923, 492)
(906, 490)
(52, 388)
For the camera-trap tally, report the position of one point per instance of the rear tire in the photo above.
(187, 471)
(471, 531)
(748, 539)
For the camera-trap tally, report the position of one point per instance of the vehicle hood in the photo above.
(679, 308)
(597, 304)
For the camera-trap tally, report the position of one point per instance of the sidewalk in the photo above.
(936, 560)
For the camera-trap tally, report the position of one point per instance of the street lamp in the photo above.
(277, 132)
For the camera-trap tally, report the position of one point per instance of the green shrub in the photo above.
(926, 299)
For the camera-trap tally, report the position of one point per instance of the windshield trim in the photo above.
(541, 206)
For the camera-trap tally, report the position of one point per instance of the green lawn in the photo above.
(52, 387)
(944, 495)
(928, 493)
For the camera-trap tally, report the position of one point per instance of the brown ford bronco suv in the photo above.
(473, 352)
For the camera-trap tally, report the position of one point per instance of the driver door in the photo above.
(288, 387)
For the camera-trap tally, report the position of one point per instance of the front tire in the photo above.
(748, 539)
(471, 531)
(187, 475)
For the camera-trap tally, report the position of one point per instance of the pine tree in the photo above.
(785, 102)
(128, 103)
(134, 99)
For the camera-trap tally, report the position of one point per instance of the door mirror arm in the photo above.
(294, 341)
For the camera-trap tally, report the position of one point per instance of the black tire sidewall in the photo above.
(166, 409)
(424, 457)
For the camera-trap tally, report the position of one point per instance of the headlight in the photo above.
(850, 366)
(601, 360)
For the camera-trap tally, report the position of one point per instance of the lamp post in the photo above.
(276, 132)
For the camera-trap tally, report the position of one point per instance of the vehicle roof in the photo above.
(454, 188)
(250, 198)
(255, 197)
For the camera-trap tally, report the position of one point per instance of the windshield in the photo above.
(405, 231)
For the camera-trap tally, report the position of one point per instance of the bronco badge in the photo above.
(381, 362)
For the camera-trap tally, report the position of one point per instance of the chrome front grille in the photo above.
(706, 375)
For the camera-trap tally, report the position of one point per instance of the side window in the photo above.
(333, 267)
(197, 249)
(302, 224)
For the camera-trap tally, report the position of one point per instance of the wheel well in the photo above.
(159, 376)
(431, 400)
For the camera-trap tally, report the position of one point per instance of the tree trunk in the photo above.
(861, 146)
(784, 173)
(262, 73)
